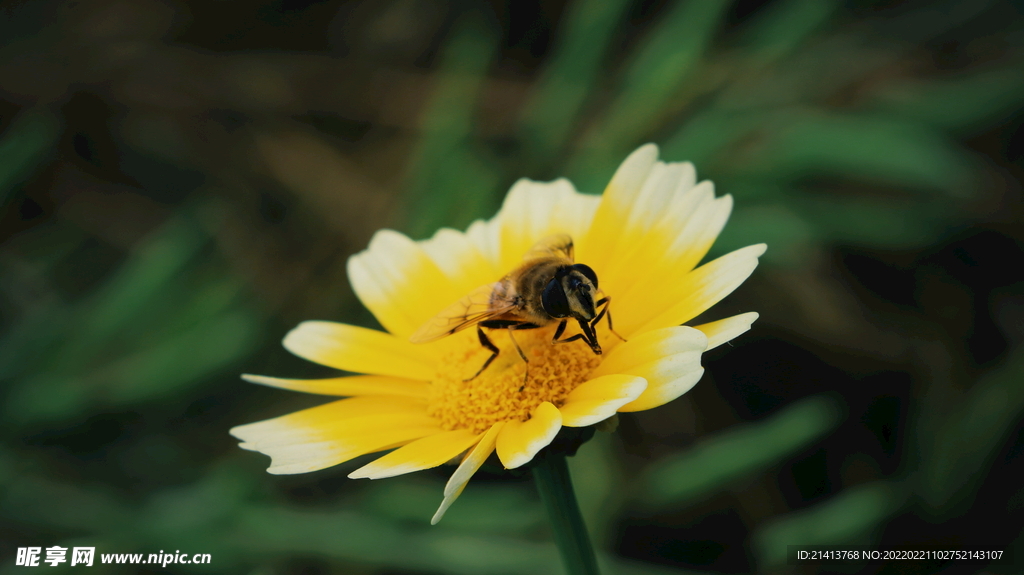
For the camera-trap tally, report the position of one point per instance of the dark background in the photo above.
(182, 182)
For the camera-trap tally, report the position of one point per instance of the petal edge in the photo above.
(598, 399)
(519, 441)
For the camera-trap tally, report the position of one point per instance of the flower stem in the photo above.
(551, 475)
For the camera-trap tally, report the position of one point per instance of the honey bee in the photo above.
(547, 287)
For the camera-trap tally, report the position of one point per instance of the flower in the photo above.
(644, 238)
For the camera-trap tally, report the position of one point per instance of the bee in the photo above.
(547, 287)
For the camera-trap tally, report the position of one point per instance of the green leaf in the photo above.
(793, 221)
(740, 451)
(181, 360)
(25, 145)
(352, 537)
(709, 132)
(852, 517)
(789, 236)
(784, 26)
(961, 104)
(570, 77)
(652, 78)
(740, 109)
(873, 222)
(46, 503)
(668, 56)
(263, 532)
(68, 338)
(450, 182)
(860, 147)
(142, 279)
(966, 441)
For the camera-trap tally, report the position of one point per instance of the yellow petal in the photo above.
(308, 457)
(723, 330)
(399, 283)
(474, 459)
(519, 441)
(668, 358)
(461, 261)
(359, 350)
(534, 210)
(694, 236)
(636, 224)
(704, 287)
(665, 255)
(572, 214)
(598, 399)
(330, 434)
(447, 502)
(482, 234)
(327, 423)
(616, 203)
(347, 386)
(425, 453)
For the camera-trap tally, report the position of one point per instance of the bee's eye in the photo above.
(554, 301)
(587, 272)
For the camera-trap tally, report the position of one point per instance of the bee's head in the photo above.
(571, 293)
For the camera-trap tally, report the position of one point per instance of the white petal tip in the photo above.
(648, 149)
(445, 504)
(440, 512)
(517, 462)
(286, 470)
(383, 475)
(259, 379)
(587, 421)
(295, 339)
(373, 472)
(582, 409)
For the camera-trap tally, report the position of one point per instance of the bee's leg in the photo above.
(589, 336)
(560, 330)
(606, 301)
(526, 374)
(516, 344)
(486, 342)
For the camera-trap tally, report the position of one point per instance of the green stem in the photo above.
(551, 475)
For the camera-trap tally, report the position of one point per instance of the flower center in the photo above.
(509, 389)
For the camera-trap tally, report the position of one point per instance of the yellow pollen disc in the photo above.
(509, 389)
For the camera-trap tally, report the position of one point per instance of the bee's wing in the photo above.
(554, 245)
(472, 309)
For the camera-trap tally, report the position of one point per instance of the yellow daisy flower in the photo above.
(643, 238)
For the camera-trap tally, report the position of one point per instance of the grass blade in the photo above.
(450, 183)
(570, 77)
(26, 144)
(651, 80)
(738, 452)
(850, 518)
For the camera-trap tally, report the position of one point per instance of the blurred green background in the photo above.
(181, 182)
